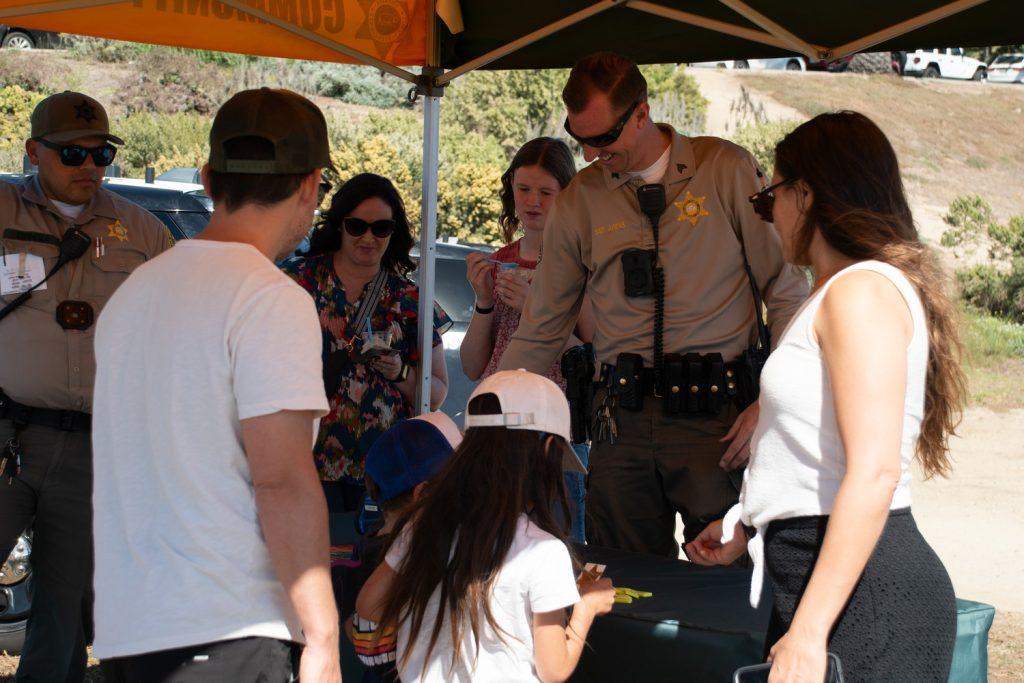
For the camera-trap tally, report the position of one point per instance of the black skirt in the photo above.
(900, 622)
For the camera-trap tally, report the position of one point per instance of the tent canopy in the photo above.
(528, 33)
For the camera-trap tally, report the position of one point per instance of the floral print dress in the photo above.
(365, 404)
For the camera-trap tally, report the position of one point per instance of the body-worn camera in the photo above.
(638, 272)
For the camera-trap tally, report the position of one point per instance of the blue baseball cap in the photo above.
(406, 455)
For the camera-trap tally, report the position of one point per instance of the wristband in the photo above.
(484, 311)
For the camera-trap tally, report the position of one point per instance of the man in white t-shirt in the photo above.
(210, 523)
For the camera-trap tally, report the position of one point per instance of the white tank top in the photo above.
(797, 459)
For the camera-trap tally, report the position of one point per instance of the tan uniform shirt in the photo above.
(708, 303)
(41, 364)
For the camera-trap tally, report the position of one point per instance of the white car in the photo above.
(794, 63)
(1007, 69)
(948, 62)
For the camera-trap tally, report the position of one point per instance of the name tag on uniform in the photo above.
(20, 273)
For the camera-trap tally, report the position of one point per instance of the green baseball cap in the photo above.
(70, 115)
(293, 125)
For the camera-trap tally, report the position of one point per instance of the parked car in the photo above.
(185, 210)
(27, 38)
(794, 63)
(1007, 69)
(863, 63)
(947, 62)
(455, 295)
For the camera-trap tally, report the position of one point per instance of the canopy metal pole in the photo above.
(428, 249)
(528, 39)
(431, 91)
(812, 52)
(704, 22)
(904, 27)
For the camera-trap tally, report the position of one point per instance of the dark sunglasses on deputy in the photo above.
(604, 139)
(764, 201)
(357, 227)
(75, 155)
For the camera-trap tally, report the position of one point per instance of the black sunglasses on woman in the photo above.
(764, 201)
(357, 227)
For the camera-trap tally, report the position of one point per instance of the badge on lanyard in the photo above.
(20, 273)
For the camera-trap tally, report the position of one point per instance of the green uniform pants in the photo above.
(54, 495)
(658, 466)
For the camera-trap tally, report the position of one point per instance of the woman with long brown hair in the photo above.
(541, 169)
(865, 378)
(480, 574)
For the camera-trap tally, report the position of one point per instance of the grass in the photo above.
(994, 360)
(956, 137)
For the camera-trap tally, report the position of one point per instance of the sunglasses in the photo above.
(357, 227)
(764, 201)
(75, 155)
(604, 139)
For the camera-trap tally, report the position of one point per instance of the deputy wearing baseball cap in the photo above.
(63, 224)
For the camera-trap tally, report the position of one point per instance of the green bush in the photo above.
(16, 105)
(675, 97)
(761, 138)
(508, 106)
(469, 169)
(359, 85)
(162, 141)
(969, 217)
(995, 287)
(109, 51)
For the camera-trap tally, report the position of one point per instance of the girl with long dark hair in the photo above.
(865, 378)
(541, 169)
(360, 254)
(480, 574)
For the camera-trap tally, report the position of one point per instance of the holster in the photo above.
(749, 381)
(577, 367)
(627, 381)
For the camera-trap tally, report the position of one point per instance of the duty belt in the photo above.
(690, 383)
(64, 420)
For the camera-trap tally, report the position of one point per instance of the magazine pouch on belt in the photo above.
(627, 381)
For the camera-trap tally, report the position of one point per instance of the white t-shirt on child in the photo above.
(203, 336)
(537, 577)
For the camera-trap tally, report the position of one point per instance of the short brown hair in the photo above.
(235, 190)
(604, 72)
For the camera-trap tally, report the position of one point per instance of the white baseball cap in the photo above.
(528, 401)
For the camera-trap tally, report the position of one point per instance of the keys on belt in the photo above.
(10, 460)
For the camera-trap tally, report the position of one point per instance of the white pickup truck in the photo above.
(947, 62)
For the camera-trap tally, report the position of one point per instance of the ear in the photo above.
(418, 490)
(32, 149)
(805, 196)
(204, 178)
(643, 114)
(309, 190)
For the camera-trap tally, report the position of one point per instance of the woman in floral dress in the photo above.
(361, 249)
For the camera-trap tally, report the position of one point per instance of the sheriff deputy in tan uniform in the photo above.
(668, 433)
(47, 364)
